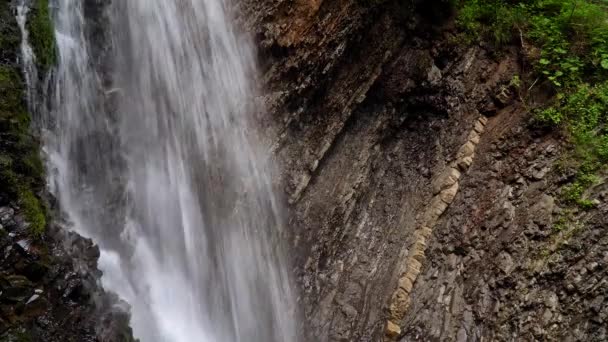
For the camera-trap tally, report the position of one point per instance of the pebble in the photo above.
(32, 298)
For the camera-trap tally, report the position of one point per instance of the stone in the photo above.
(16, 289)
(547, 315)
(24, 246)
(6, 215)
(461, 336)
(597, 304)
(413, 268)
(505, 262)
(411, 276)
(447, 195)
(474, 137)
(434, 75)
(592, 266)
(426, 232)
(465, 163)
(420, 244)
(540, 174)
(543, 209)
(406, 284)
(478, 127)
(392, 330)
(445, 180)
(503, 216)
(35, 306)
(435, 209)
(399, 304)
(551, 300)
(467, 150)
(503, 96)
(32, 298)
(418, 255)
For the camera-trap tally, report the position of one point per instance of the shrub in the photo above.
(573, 38)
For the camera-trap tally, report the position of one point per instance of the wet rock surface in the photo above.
(50, 287)
(49, 281)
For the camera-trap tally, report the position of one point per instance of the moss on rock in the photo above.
(21, 169)
(10, 37)
(42, 35)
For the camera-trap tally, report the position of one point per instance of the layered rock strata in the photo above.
(369, 104)
(445, 187)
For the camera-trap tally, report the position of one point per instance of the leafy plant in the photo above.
(573, 39)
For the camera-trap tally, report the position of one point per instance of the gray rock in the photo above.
(434, 75)
(542, 211)
(6, 215)
(505, 262)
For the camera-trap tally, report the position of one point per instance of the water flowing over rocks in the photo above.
(423, 203)
(50, 288)
(154, 155)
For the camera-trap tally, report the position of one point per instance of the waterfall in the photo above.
(153, 152)
(27, 54)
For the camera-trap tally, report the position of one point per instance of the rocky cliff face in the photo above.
(423, 201)
(49, 282)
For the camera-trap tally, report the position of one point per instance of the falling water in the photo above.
(27, 54)
(156, 158)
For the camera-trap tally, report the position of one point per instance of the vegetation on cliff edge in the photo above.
(572, 39)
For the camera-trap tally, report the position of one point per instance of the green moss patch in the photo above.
(21, 189)
(21, 169)
(42, 35)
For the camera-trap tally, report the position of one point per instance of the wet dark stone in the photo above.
(35, 271)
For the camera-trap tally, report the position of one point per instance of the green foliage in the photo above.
(515, 82)
(493, 20)
(584, 114)
(573, 39)
(42, 35)
(584, 110)
(12, 107)
(573, 36)
(573, 193)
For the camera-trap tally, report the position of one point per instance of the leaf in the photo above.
(544, 61)
(604, 63)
